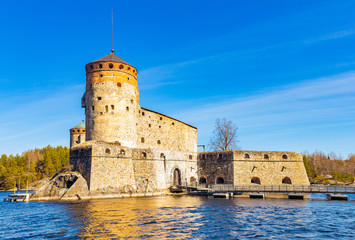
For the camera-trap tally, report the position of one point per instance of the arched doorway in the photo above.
(286, 180)
(203, 180)
(255, 180)
(176, 177)
(219, 180)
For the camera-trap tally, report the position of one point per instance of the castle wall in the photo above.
(241, 167)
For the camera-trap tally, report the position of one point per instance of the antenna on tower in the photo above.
(112, 50)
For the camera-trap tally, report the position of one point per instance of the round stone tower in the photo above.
(77, 134)
(111, 101)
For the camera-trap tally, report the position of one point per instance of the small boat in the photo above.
(18, 197)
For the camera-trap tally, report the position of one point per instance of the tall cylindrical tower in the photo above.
(111, 100)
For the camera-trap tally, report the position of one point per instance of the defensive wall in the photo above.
(243, 167)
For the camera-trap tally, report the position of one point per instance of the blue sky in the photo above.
(283, 71)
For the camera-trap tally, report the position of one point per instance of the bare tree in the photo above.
(224, 136)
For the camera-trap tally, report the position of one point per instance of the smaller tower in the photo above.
(77, 134)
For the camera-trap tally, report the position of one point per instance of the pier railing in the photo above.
(278, 188)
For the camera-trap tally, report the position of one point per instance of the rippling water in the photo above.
(178, 217)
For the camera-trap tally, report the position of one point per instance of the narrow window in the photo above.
(112, 107)
(127, 108)
(91, 67)
(190, 156)
(161, 118)
(93, 108)
(150, 125)
(220, 156)
(131, 100)
(106, 108)
(144, 155)
(142, 113)
(142, 140)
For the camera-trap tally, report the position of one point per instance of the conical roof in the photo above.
(80, 125)
(112, 58)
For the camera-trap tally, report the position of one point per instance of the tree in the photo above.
(224, 136)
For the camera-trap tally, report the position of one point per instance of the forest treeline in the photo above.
(32, 165)
(320, 167)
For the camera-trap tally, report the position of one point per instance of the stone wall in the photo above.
(253, 167)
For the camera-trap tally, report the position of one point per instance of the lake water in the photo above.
(179, 217)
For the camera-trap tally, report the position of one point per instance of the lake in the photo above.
(179, 217)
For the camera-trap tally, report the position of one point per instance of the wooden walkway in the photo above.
(216, 188)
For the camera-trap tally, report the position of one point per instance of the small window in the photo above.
(284, 156)
(100, 65)
(112, 107)
(106, 108)
(118, 84)
(159, 142)
(220, 156)
(111, 65)
(93, 108)
(190, 156)
(107, 151)
(159, 126)
(246, 155)
(161, 118)
(122, 152)
(129, 68)
(203, 180)
(173, 123)
(99, 98)
(127, 108)
(132, 101)
(162, 156)
(144, 155)
(101, 75)
(91, 67)
(266, 156)
(134, 70)
(203, 157)
(121, 66)
(150, 125)
(101, 113)
(127, 78)
(142, 113)
(142, 140)
(84, 130)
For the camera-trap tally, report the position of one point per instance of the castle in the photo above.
(124, 147)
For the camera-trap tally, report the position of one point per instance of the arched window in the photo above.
(286, 180)
(142, 140)
(284, 156)
(144, 155)
(190, 156)
(219, 180)
(255, 180)
(266, 156)
(192, 180)
(158, 142)
(122, 152)
(107, 151)
(162, 156)
(202, 180)
(246, 155)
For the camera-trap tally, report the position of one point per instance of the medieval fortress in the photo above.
(123, 147)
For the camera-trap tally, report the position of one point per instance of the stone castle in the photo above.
(123, 147)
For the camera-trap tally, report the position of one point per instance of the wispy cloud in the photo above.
(297, 108)
(333, 35)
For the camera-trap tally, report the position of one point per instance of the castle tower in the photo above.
(77, 134)
(111, 101)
